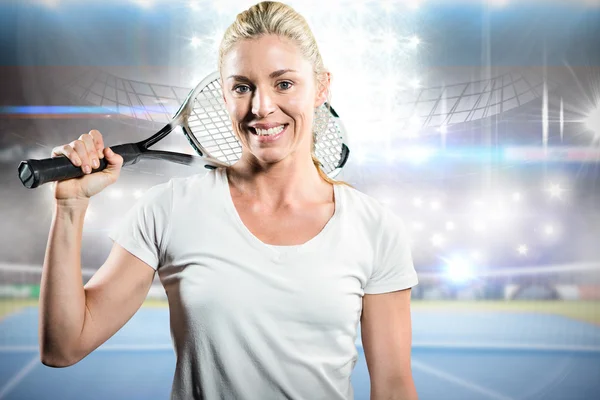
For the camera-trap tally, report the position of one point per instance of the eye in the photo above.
(241, 89)
(285, 85)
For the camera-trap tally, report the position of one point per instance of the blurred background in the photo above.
(478, 122)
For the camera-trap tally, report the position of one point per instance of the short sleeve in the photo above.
(394, 268)
(143, 230)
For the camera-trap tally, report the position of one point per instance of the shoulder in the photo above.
(366, 206)
(382, 223)
(193, 185)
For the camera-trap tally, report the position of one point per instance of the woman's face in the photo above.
(271, 94)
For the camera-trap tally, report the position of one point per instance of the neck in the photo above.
(288, 182)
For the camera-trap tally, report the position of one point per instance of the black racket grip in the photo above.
(34, 173)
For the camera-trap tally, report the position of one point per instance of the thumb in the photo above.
(114, 159)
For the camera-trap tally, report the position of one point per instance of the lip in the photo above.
(268, 139)
(266, 125)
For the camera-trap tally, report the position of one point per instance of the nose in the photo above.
(262, 103)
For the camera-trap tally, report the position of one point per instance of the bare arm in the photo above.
(387, 336)
(75, 320)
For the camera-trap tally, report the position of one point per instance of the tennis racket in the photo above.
(206, 124)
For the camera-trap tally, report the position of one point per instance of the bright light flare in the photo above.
(550, 230)
(555, 190)
(435, 205)
(459, 270)
(414, 41)
(592, 121)
(196, 41)
(523, 250)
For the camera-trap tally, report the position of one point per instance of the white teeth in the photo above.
(270, 131)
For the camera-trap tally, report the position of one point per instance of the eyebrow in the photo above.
(274, 74)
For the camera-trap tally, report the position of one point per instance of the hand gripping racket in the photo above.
(206, 124)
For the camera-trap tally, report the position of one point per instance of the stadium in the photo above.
(477, 122)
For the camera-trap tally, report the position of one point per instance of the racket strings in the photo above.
(210, 124)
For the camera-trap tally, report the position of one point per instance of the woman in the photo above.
(268, 265)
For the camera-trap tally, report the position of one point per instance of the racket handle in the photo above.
(34, 173)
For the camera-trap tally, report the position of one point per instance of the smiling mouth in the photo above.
(268, 132)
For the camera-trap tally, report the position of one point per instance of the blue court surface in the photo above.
(456, 355)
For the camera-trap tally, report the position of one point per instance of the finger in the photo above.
(113, 158)
(67, 151)
(81, 150)
(98, 142)
(91, 150)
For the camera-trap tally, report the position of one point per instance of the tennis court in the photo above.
(461, 350)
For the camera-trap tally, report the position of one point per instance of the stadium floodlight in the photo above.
(522, 249)
(196, 41)
(459, 270)
(450, 226)
(549, 230)
(435, 205)
(555, 190)
(592, 121)
(414, 41)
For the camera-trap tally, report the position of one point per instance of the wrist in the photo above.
(79, 204)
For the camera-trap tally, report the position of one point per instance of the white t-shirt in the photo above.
(254, 321)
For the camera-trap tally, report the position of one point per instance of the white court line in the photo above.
(459, 381)
(114, 347)
(19, 377)
(507, 346)
(504, 346)
(416, 345)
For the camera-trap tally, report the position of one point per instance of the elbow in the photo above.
(57, 359)
(54, 361)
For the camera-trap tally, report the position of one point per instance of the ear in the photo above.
(323, 85)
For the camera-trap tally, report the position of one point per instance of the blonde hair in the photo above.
(274, 18)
